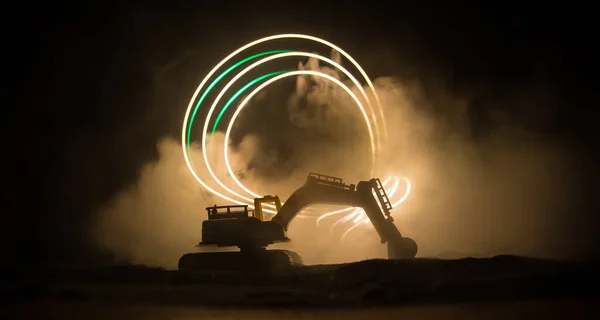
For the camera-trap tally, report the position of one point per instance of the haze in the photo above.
(473, 194)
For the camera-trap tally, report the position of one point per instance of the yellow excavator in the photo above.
(235, 226)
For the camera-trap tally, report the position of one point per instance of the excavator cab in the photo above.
(236, 226)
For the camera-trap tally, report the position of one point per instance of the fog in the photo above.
(472, 195)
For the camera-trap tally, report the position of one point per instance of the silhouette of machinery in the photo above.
(236, 226)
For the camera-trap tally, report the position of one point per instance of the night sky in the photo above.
(90, 105)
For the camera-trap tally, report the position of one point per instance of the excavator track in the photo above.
(241, 261)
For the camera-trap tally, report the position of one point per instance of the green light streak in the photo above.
(214, 83)
(239, 92)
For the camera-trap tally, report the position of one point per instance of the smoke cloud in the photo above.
(473, 195)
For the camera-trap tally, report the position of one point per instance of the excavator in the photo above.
(236, 226)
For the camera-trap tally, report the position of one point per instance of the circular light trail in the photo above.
(250, 68)
(186, 119)
(265, 84)
(375, 121)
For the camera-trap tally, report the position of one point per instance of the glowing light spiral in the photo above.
(374, 120)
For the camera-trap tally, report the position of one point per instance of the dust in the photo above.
(473, 195)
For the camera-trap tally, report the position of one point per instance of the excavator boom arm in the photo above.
(313, 193)
(368, 195)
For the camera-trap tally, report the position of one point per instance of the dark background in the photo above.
(85, 83)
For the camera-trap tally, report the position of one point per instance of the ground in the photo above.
(466, 288)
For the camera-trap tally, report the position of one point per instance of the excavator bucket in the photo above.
(402, 248)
